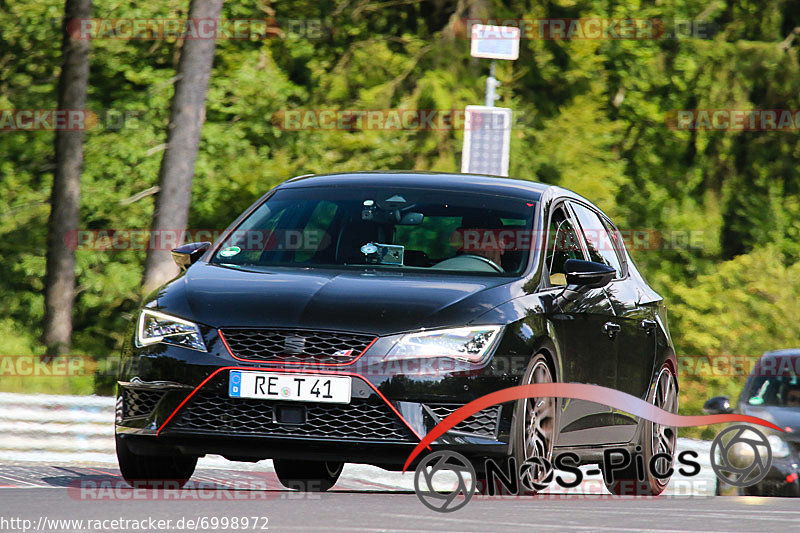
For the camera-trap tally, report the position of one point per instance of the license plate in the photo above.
(289, 387)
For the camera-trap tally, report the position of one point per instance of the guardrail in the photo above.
(47, 427)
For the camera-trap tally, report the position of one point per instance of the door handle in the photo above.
(611, 329)
(649, 326)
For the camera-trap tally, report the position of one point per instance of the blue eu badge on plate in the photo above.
(235, 385)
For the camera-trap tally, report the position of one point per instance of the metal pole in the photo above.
(491, 85)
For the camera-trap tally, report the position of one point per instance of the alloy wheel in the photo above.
(663, 438)
(539, 423)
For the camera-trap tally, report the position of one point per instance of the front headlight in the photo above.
(743, 453)
(155, 327)
(779, 446)
(471, 344)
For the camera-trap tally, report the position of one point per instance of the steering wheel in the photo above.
(486, 260)
(467, 262)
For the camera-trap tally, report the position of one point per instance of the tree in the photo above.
(187, 114)
(59, 296)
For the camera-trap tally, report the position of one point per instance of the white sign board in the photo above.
(494, 42)
(487, 140)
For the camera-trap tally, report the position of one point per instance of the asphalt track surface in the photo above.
(44, 494)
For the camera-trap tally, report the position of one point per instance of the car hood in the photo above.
(374, 302)
(780, 416)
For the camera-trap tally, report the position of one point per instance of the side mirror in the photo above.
(582, 275)
(718, 405)
(188, 254)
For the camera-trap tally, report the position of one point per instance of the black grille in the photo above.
(362, 419)
(139, 402)
(774, 488)
(296, 346)
(481, 423)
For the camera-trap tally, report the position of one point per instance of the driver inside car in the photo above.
(793, 395)
(482, 237)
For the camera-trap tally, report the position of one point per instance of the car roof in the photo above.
(788, 352)
(436, 180)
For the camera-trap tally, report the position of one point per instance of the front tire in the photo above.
(153, 471)
(534, 429)
(307, 476)
(654, 439)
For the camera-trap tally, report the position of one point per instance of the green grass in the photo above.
(78, 385)
(19, 353)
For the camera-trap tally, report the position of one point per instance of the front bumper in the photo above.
(782, 480)
(172, 399)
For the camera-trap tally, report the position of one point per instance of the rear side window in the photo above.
(599, 243)
(618, 243)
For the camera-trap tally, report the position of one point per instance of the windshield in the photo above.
(385, 228)
(775, 383)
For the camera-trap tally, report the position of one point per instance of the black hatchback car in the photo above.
(342, 316)
(771, 392)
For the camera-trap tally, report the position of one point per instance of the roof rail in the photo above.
(299, 177)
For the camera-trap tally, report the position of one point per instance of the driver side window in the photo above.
(562, 244)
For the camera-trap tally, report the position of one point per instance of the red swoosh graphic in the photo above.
(579, 391)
